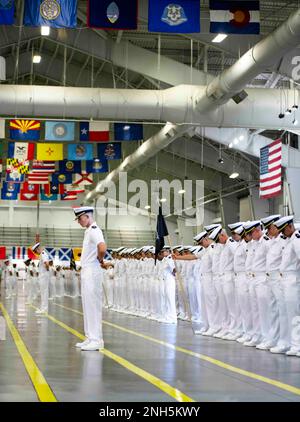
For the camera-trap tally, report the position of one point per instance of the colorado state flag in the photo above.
(117, 14)
(54, 13)
(25, 130)
(234, 17)
(182, 16)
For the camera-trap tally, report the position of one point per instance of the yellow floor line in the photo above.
(274, 383)
(157, 382)
(42, 388)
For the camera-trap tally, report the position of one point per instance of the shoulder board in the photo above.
(94, 227)
(298, 235)
(266, 238)
(231, 240)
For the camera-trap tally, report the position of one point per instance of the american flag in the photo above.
(270, 170)
(40, 172)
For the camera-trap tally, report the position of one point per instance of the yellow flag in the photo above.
(77, 253)
(50, 152)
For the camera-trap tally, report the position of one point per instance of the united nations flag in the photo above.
(54, 13)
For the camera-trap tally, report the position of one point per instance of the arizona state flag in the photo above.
(25, 130)
(50, 152)
(117, 14)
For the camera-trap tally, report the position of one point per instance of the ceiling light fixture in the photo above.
(219, 38)
(45, 30)
(230, 145)
(181, 191)
(147, 207)
(126, 127)
(234, 175)
(36, 59)
(163, 200)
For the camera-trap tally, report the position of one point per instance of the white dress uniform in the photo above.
(8, 281)
(52, 283)
(290, 271)
(44, 278)
(60, 288)
(169, 296)
(91, 284)
(14, 281)
(221, 317)
(31, 289)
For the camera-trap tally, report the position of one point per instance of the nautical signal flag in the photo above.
(109, 14)
(94, 131)
(128, 132)
(60, 131)
(7, 9)
(54, 13)
(21, 150)
(77, 253)
(96, 165)
(69, 166)
(80, 152)
(64, 254)
(180, 17)
(2, 252)
(32, 255)
(18, 252)
(50, 152)
(51, 253)
(25, 130)
(9, 191)
(234, 17)
(111, 151)
(61, 178)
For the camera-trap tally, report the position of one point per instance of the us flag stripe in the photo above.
(270, 170)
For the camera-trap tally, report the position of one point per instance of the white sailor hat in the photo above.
(166, 247)
(81, 211)
(215, 233)
(34, 247)
(152, 249)
(197, 249)
(177, 247)
(119, 249)
(211, 228)
(234, 226)
(270, 220)
(250, 225)
(239, 230)
(283, 222)
(200, 236)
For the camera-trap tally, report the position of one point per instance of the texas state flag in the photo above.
(94, 131)
(234, 17)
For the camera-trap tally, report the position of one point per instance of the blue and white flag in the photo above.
(113, 14)
(48, 196)
(60, 131)
(69, 166)
(54, 13)
(7, 8)
(128, 132)
(61, 178)
(9, 191)
(97, 165)
(234, 17)
(51, 252)
(64, 254)
(180, 16)
(111, 151)
(80, 152)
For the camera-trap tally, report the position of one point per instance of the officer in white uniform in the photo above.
(44, 277)
(93, 252)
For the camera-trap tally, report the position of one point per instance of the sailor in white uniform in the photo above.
(93, 252)
(44, 277)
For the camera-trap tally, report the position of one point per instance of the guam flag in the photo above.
(117, 14)
(25, 130)
(234, 17)
(54, 13)
(7, 8)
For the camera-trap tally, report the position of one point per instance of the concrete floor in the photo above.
(212, 374)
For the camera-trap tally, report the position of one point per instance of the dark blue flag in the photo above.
(97, 165)
(61, 178)
(180, 17)
(161, 232)
(69, 166)
(128, 132)
(54, 13)
(10, 191)
(7, 8)
(111, 151)
(117, 14)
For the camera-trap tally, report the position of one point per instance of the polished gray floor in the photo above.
(77, 376)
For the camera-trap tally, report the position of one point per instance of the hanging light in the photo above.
(45, 30)
(230, 145)
(181, 191)
(147, 207)
(36, 59)
(163, 200)
(234, 175)
(219, 38)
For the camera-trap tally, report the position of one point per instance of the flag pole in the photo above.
(37, 236)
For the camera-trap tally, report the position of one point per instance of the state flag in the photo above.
(128, 132)
(14, 166)
(54, 188)
(54, 13)
(50, 152)
(68, 196)
(21, 150)
(74, 189)
(59, 131)
(83, 179)
(69, 166)
(117, 14)
(80, 152)
(14, 177)
(94, 131)
(7, 9)
(111, 151)
(180, 17)
(234, 17)
(28, 196)
(61, 178)
(96, 165)
(9, 191)
(30, 188)
(25, 130)
(48, 196)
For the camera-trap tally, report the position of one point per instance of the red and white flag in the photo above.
(68, 196)
(94, 131)
(40, 172)
(75, 189)
(270, 170)
(83, 179)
